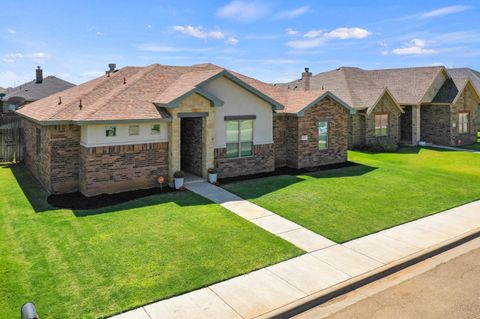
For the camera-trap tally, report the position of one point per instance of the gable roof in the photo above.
(133, 93)
(453, 87)
(361, 88)
(32, 91)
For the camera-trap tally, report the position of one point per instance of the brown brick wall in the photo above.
(56, 167)
(467, 102)
(37, 164)
(308, 153)
(406, 133)
(357, 127)
(114, 169)
(285, 133)
(263, 160)
(385, 105)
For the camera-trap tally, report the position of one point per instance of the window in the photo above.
(463, 122)
(381, 124)
(323, 135)
(133, 130)
(155, 129)
(239, 138)
(111, 131)
(38, 140)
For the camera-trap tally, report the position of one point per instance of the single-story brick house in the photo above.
(123, 130)
(407, 105)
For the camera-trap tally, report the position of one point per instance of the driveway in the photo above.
(448, 290)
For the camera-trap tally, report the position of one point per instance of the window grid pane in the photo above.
(133, 130)
(381, 124)
(239, 138)
(323, 135)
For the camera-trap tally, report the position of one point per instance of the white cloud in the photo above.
(12, 31)
(232, 41)
(313, 33)
(440, 12)
(149, 26)
(9, 78)
(291, 32)
(244, 11)
(292, 13)
(348, 33)
(414, 47)
(199, 32)
(38, 57)
(315, 38)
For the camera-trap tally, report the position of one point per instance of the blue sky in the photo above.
(267, 39)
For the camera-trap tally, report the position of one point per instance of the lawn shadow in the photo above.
(83, 206)
(251, 189)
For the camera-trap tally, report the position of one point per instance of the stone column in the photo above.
(174, 147)
(415, 124)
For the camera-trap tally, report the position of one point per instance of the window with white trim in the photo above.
(155, 129)
(239, 138)
(134, 130)
(111, 131)
(463, 122)
(322, 135)
(381, 124)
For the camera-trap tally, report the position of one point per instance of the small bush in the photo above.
(381, 147)
(212, 171)
(179, 174)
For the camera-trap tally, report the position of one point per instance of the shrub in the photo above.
(179, 174)
(212, 170)
(382, 147)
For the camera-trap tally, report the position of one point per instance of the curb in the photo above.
(316, 299)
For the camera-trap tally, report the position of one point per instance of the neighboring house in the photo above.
(405, 106)
(37, 89)
(123, 130)
(3, 91)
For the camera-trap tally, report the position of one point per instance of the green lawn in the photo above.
(476, 146)
(385, 190)
(88, 264)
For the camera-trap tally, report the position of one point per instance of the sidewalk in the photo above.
(450, 148)
(324, 266)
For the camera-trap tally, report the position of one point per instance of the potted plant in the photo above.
(212, 175)
(178, 177)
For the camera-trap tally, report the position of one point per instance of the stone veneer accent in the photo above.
(439, 123)
(113, 169)
(292, 151)
(385, 105)
(56, 166)
(467, 102)
(435, 124)
(191, 104)
(262, 161)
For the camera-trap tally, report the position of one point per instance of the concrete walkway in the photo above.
(325, 264)
(450, 148)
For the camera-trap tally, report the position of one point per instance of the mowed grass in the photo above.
(383, 191)
(90, 264)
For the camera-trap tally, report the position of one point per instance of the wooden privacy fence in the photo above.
(11, 139)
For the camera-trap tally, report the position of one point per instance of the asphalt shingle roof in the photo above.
(32, 91)
(362, 88)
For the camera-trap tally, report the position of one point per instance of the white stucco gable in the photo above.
(239, 101)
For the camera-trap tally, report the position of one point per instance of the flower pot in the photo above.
(178, 182)
(212, 177)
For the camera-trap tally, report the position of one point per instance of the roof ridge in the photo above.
(113, 93)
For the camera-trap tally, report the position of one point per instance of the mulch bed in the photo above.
(286, 171)
(78, 201)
